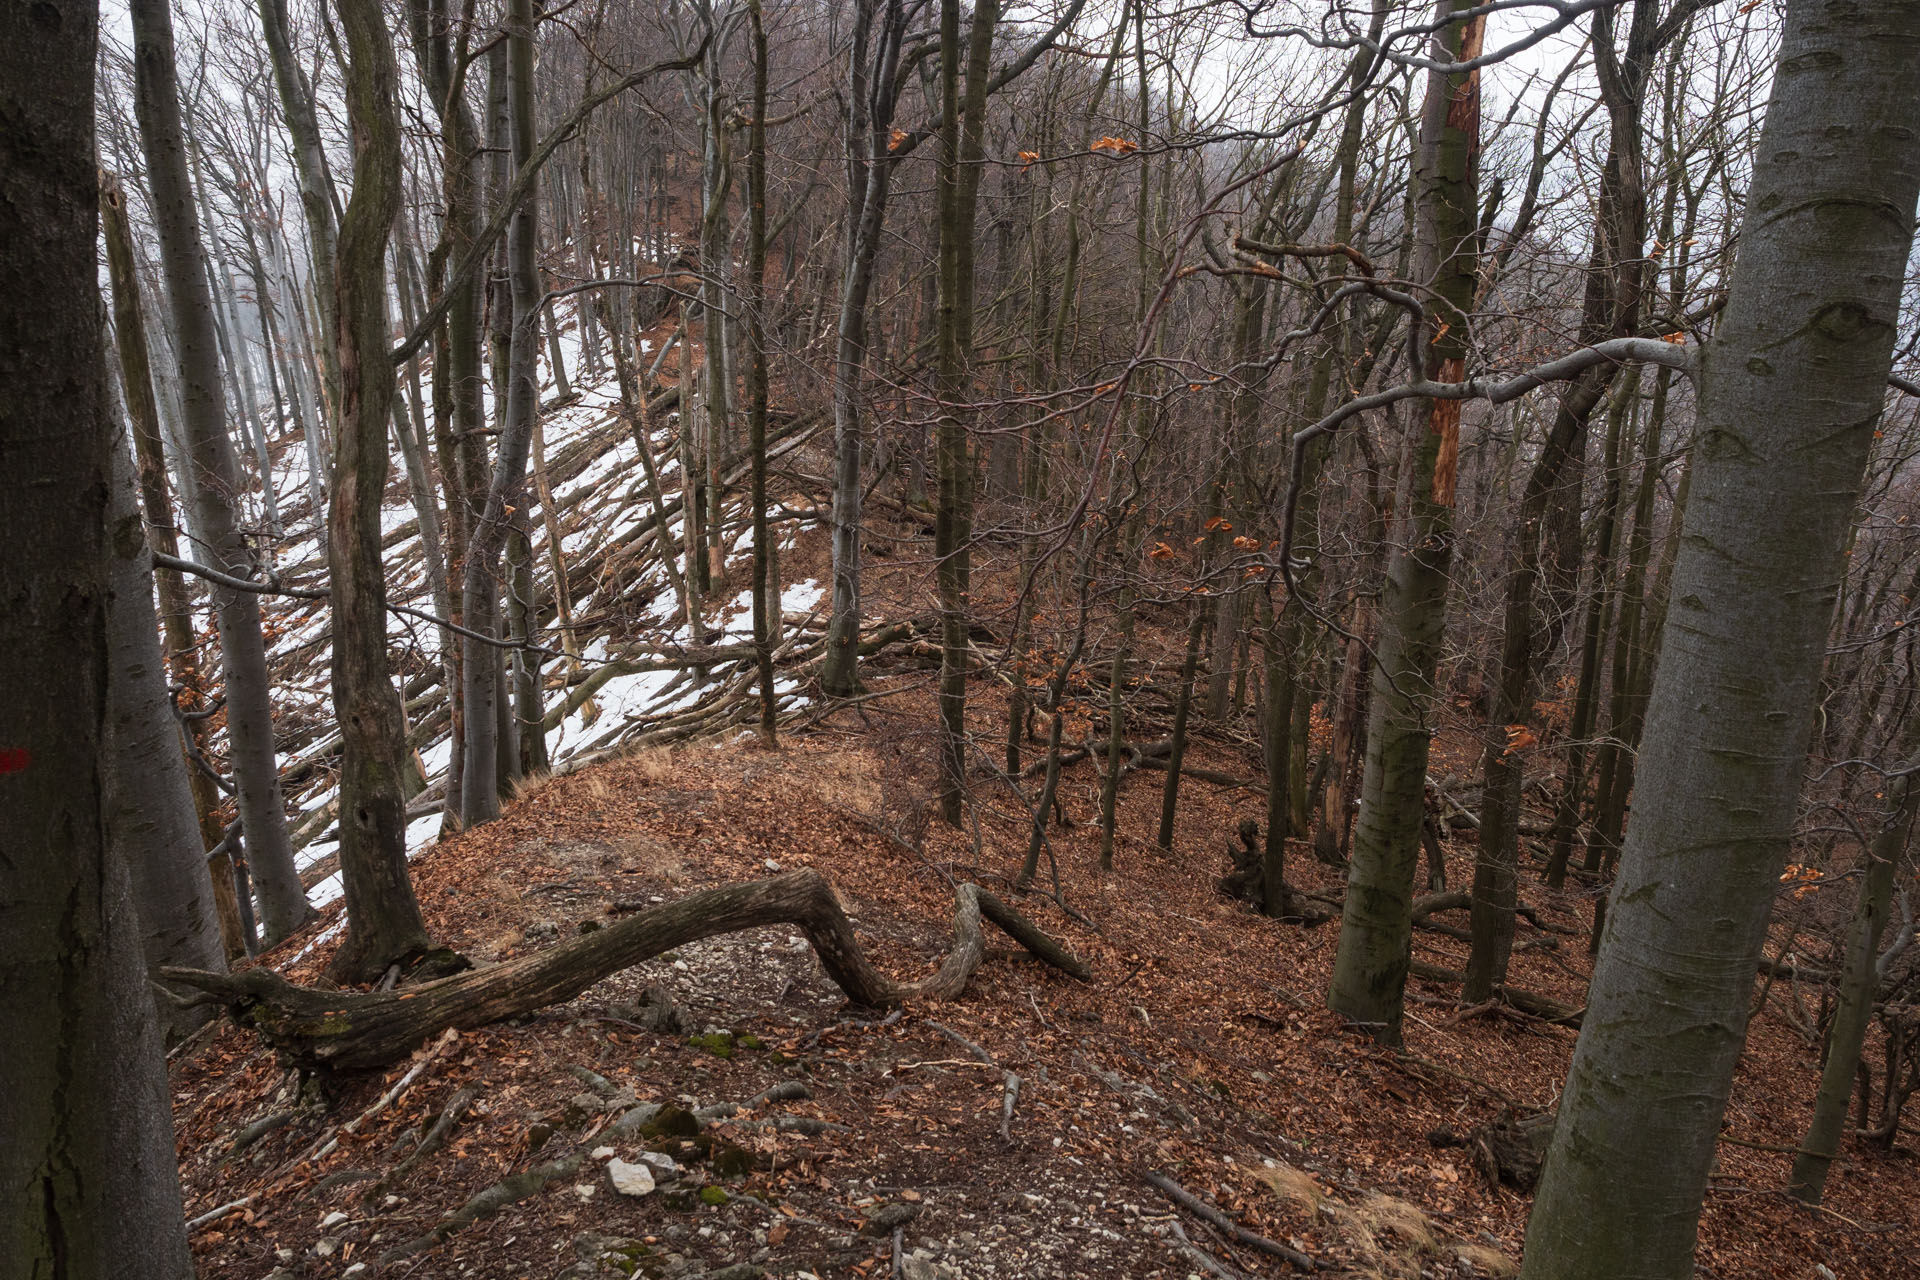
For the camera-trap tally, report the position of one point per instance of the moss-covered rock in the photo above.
(715, 1196)
(671, 1122)
(720, 1043)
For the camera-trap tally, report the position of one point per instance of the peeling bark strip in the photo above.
(1444, 421)
(346, 1031)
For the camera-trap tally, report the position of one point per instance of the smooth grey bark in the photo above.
(872, 61)
(481, 666)
(1792, 388)
(87, 1174)
(151, 824)
(316, 184)
(175, 607)
(216, 476)
(1611, 309)
(1376, 930)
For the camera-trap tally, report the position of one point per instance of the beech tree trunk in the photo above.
(1859, 984)
(149, 808)
(175, 610)
(316, 185)
(871, 63)
(957, 187)
(1793, 385)
(216, 484)
(87, 1173)
(383, 919)
(480, 796)
(1376, 931)
(765, 596)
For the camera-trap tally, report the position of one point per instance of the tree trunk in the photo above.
(316, 184)
(1793, 387)
(383, 919)
(765, 599)
(480, 798)
(149, 808)
(216, 477)
(87, 1165)
(958, 188)
(1859, 983)
(1370, 969)
(176, 611)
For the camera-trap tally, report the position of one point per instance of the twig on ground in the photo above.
(1227, 1226)
(979, 1054)
(214, 1215)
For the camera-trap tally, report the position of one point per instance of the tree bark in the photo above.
(1793, 385)
(480, 798)
(765, 601)
(87, 1174)
(316, 184)
(149, 814)
(872, 61)
(216, 477)
(176, 611)
(1376, 932)
(383, 918)
(957, 187)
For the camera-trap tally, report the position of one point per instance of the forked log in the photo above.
(356, 1031)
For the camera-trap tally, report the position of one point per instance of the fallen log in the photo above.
(355, 1031)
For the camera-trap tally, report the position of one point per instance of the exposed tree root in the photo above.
(1525, 1001)
(351, 1031)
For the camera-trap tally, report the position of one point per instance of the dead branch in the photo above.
(352, 1031)
(1227, 1226)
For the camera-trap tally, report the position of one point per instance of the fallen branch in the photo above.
(214, 1215)
(1227, 1226)
(350, 1031)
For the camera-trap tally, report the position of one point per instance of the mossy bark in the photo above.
(1376, 932)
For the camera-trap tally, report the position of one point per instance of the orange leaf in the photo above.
(898, 136)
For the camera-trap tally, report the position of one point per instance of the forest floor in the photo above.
(1200, 1051)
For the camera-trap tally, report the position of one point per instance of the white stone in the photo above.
(603, 1153)
(630, 1179)
(333, 1219)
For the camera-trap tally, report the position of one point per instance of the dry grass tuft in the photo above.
(1290, 1183)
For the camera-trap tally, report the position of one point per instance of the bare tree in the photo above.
(216, 476)
(87, 1166)
(1793, 385)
